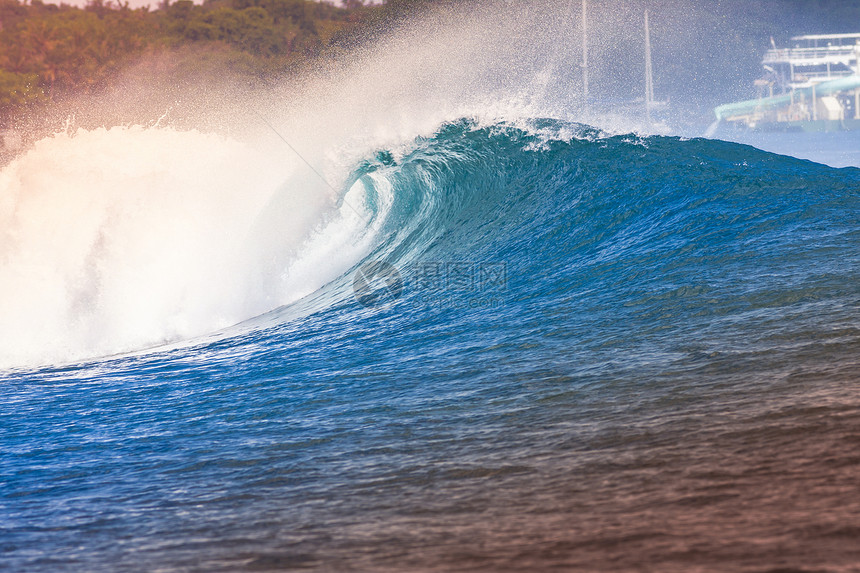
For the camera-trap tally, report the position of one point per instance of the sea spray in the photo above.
(118, 239)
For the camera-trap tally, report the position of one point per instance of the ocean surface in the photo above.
(836, 149)
(499, 346)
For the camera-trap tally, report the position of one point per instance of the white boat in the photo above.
(812, 86)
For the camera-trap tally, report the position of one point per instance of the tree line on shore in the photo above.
(48, 51)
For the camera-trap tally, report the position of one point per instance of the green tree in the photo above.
(18, 91)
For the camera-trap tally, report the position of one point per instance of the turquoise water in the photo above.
(584, 352)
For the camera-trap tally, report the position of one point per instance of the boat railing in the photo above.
(811, 56)
(809, 77)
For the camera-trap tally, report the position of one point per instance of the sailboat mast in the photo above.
(649, 79)
(585, 51)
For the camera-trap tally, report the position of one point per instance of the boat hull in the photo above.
(807, 126)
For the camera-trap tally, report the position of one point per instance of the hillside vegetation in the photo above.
(47, 51)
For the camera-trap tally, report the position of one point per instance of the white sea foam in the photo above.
(117, 239)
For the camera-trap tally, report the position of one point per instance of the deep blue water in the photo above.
(590, 353)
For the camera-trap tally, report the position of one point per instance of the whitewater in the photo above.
(426, 312)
